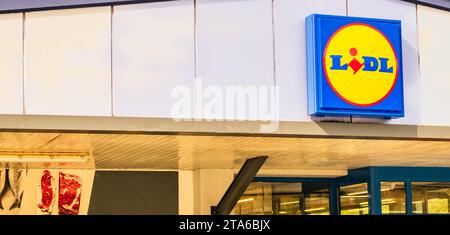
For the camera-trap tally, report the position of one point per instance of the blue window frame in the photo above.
(374, 176)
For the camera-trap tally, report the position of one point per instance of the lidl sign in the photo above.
(354, 66)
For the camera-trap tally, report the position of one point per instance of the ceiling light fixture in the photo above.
(28, 157)
(246, 200)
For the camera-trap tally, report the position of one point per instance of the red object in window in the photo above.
(69, 194)
(48, 193)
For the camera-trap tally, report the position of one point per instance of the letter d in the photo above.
(370, 63)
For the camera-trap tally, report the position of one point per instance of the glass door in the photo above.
(284, 198)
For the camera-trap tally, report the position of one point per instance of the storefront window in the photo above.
(393, 198)
(317, 198)
(251, 203)
(430, 197)
(313, 198)
(354, 199)
(270, 199)
(284, 199)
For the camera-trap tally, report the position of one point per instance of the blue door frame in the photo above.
(373, 176)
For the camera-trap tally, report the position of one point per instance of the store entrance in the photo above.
(364, 191)
(265, 197)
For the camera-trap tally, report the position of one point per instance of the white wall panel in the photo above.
(68, 62)
(434, 47)
(153, 52)
(290, 51)
(11, 91)
(235, 46)
(406, 12)
(209, 187)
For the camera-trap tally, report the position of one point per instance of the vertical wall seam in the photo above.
(194, 101)
(273, 45)
(23, 62)
(111, 60)
(195, 38)
(346, 7)
(274, 61)
(417, 35)
(418, 64)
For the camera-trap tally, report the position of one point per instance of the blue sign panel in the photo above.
(354, 66)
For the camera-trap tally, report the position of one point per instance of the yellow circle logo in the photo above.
(360, 64)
